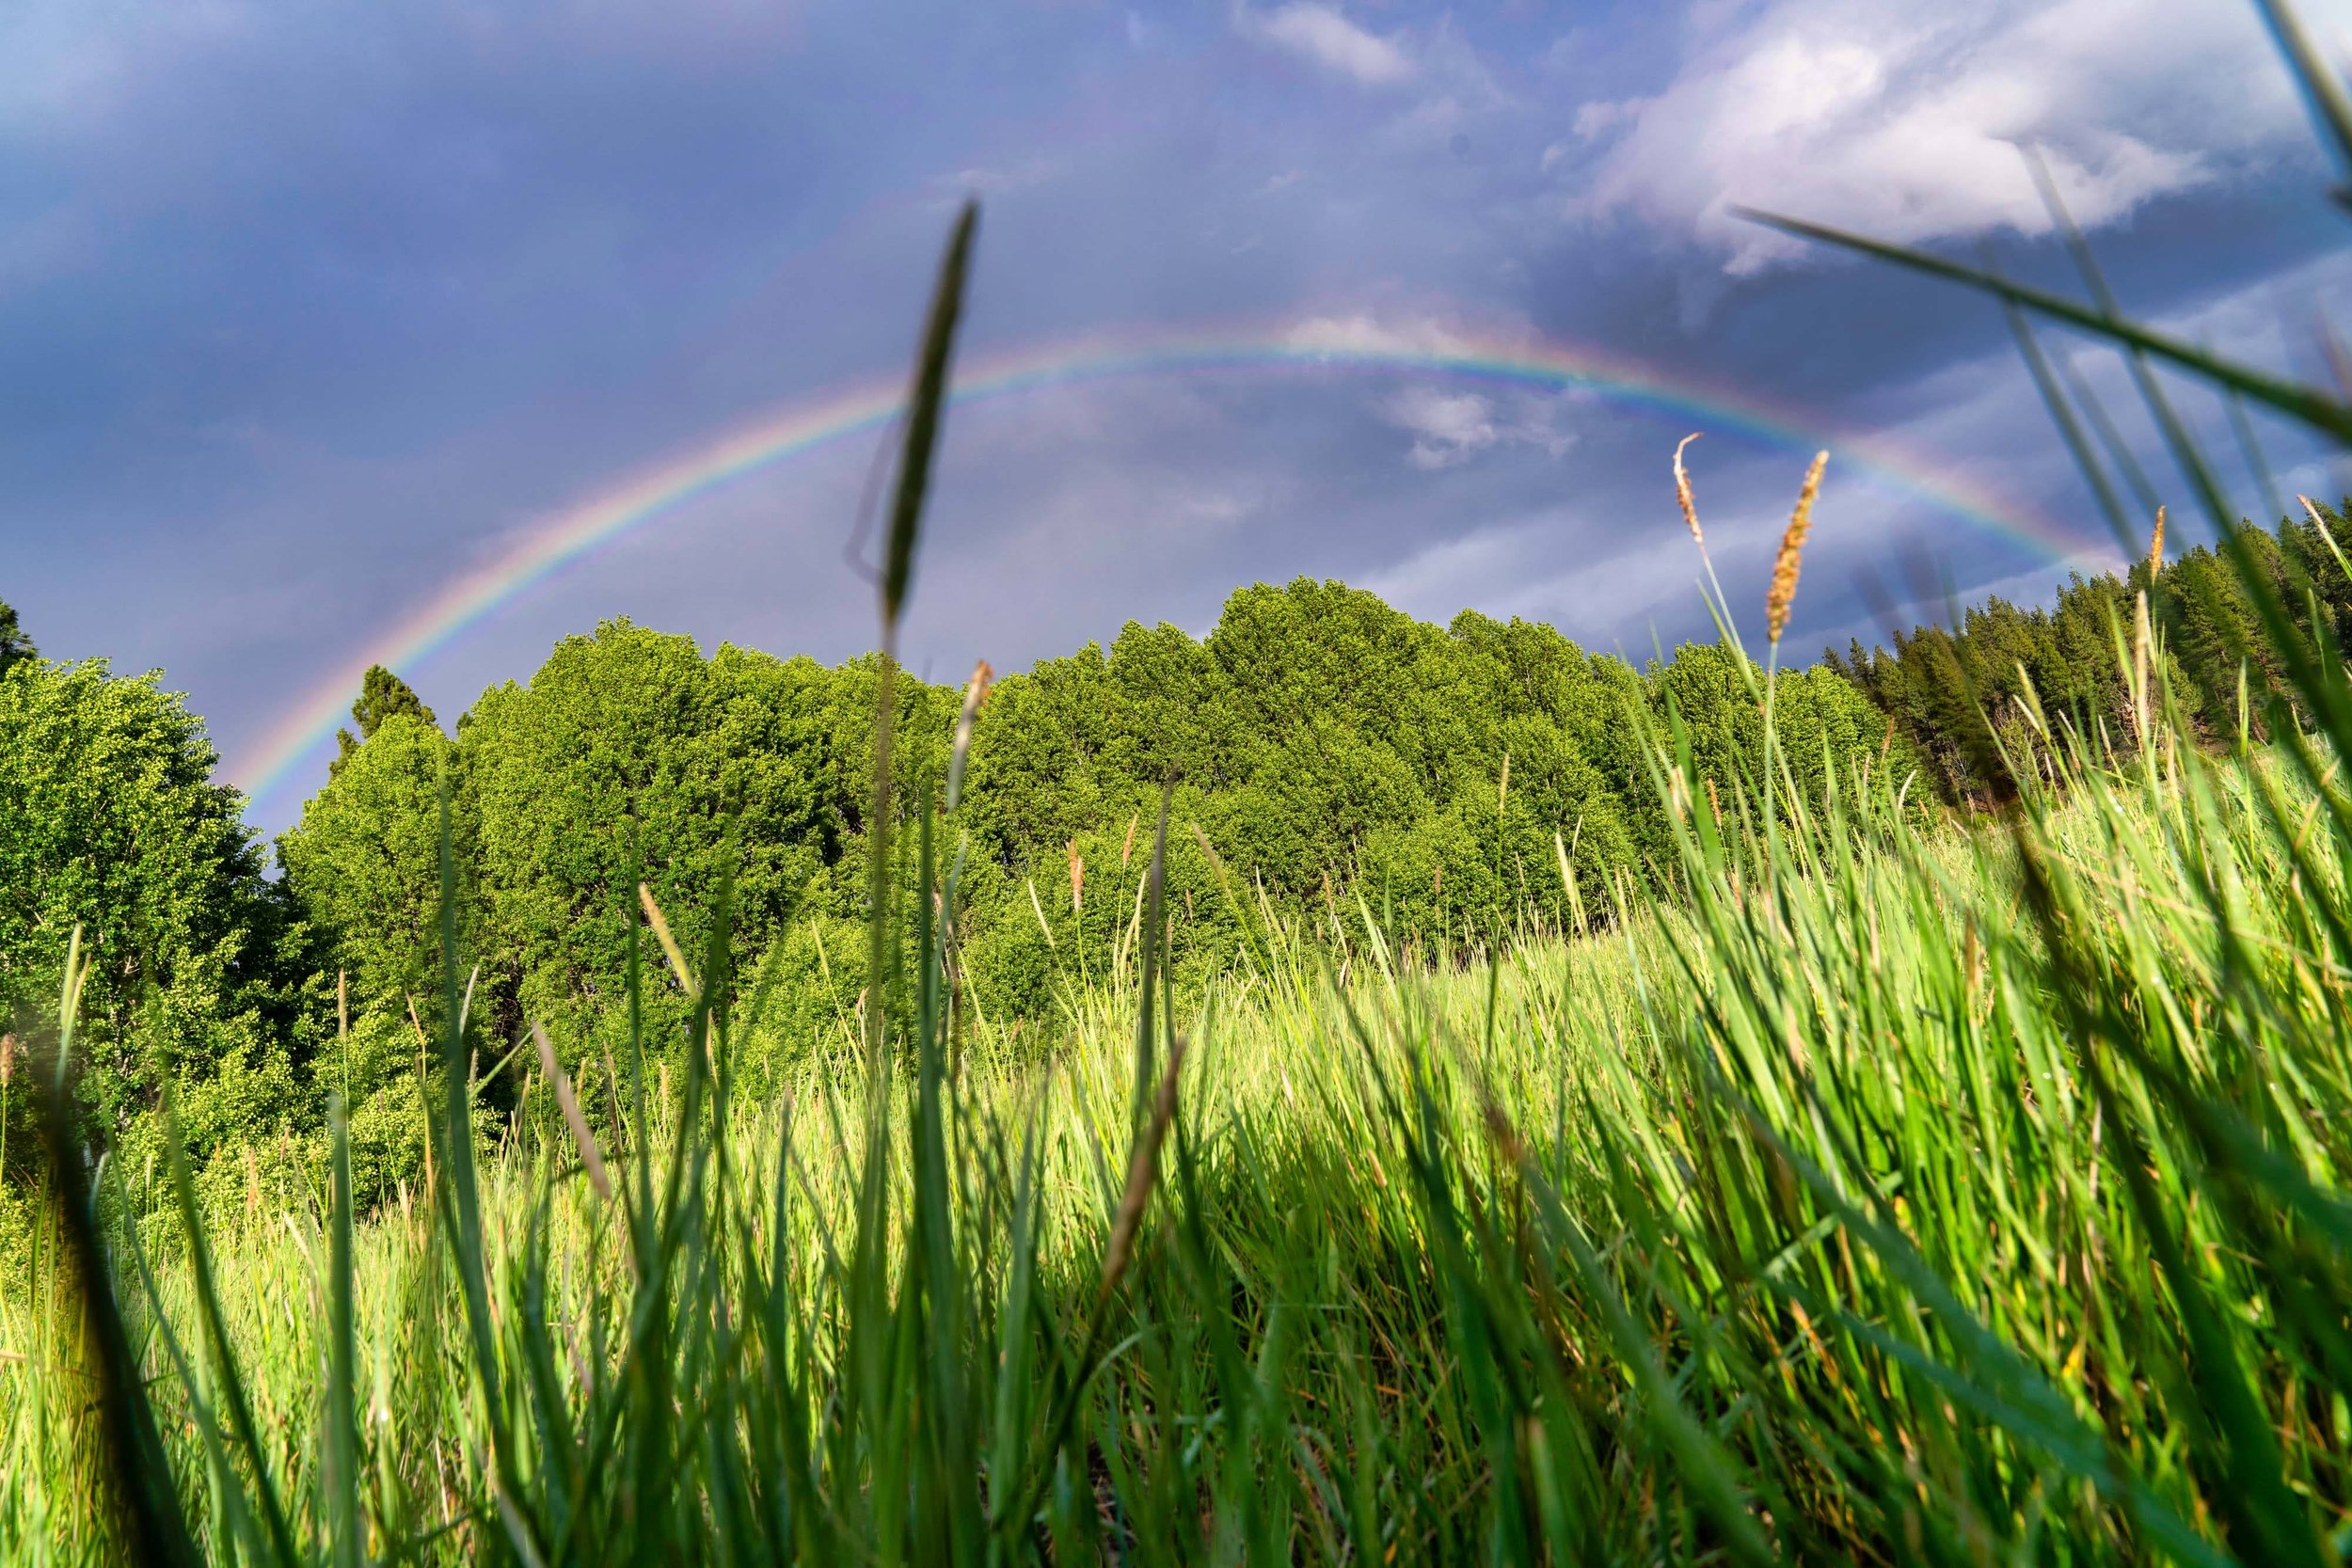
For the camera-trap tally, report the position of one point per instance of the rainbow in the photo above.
(659, 491)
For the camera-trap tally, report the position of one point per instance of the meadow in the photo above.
(1865, 1182)
(1904, 1193)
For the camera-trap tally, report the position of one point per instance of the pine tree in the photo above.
(382, 694)
(14, 644)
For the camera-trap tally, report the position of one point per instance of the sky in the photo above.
(314, 312)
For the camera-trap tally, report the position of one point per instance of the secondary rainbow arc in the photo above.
(803, 426)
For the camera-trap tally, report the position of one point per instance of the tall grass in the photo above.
(1857, 1207)
(1898, 1190)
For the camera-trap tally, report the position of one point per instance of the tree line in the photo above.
(1963, 694)
(1329, 757)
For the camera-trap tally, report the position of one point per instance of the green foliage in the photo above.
(364, 862)
(382, 696)
(629, 757)
(1621, 1250)
(113, 826)
(1963, 697)
(1325, 743)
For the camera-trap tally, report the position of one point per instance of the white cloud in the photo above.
(1321, 33)
(1452, 427)
(1904, 120)
(1447, 427)
(1594, 121)
(1365, 334)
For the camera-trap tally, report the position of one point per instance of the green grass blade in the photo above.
(926, 402)
(2315, 409)
(154, 1526)
(340, 1476)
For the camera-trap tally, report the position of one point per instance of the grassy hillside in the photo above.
(1901, 1194)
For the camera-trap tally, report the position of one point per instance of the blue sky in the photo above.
(306, 307)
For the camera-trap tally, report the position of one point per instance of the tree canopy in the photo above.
(114, 830)
(382, 696)
(1961, 693)
(1324, 744)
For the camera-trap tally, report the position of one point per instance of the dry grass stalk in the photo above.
(975, 693)
(2143, 637)
(2156, 547)
(1142, 1170)
(1216, 867)
(1785, 564)
(1682, 491)
(1040, 908)
(569, 1105)
(661, 934)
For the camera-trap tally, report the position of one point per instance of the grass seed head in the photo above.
(2155, 548)
(975, 693)
(591, 1158)
(1682, 491)
(1785, 564)
(1142, 1170)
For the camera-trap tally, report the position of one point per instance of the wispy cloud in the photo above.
(1453, 427)
(1365, 333)
(1321, 33)
(1447, 427)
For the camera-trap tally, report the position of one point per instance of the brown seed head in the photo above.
(1682, 491)
(2155, 548)
(1142, 1166)
(1506, 1135)
(8, 1059)
(1078, 878)
(1785, 564)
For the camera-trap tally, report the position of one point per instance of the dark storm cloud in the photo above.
(302, 309)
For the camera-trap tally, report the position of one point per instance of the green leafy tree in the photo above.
(113, 826)
(1822, 720)
(364, 861)
(630, 756)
